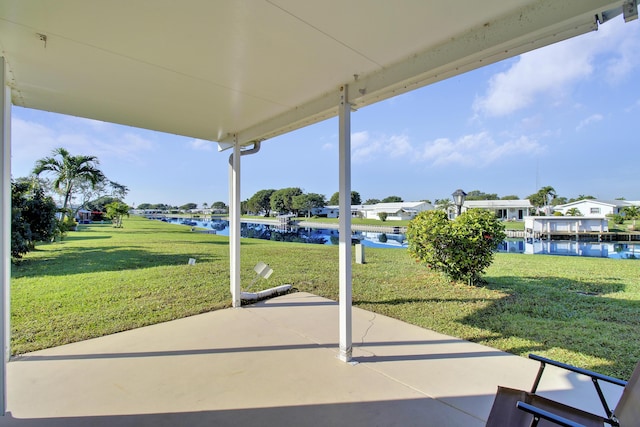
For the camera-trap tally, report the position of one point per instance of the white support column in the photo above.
(344, 114)
(234, 224)
(5, 250)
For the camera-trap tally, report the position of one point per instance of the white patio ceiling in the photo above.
(240, 71)
(211, 69)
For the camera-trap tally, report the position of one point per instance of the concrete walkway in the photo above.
(271, 364)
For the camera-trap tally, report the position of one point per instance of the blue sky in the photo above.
(565, 115)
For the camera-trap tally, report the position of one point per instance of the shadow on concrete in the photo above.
(34, 357)
(404, 412)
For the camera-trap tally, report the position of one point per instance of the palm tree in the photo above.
(574, 212)
(548, 193)
(633, 213)
(444, 205)
(68, 170)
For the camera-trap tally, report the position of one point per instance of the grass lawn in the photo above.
(101, 280)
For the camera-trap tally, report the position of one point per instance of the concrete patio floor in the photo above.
(272, 363)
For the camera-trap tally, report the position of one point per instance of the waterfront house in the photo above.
(546, 225)
(590, 207)
(334, 210)
(396, 211)
(511, 210)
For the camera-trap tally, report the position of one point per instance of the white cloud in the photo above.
(202, 145)
(546, 71)
(591, 119)
(624, 50)
(476, 150)
(127, 147)
(473, 150)
(632, 107)
(365, 147)
(28, 137)
(31, 141)
(71, 122)
(398, 146)
(551, 71)
(358, 139)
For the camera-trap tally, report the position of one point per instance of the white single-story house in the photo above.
(565, 224)
(333, 211)
(396, 211)
(590, 207)
(514, 210)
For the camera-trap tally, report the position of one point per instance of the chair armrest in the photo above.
(593, 375)
(541, 413)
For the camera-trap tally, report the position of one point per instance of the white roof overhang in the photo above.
(248, 70)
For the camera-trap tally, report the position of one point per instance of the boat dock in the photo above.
(582, 236)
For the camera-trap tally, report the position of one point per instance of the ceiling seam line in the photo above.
(326, 34)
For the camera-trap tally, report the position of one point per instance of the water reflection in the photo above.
(572, 248)
(320, 236)
(324, 236)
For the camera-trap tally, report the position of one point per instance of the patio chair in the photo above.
(521, 408)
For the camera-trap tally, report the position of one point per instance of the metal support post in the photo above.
(234, 224)
(5, 241)
(344, 113)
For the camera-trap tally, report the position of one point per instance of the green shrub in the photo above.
(67, 224)
(461, 249)
(383, 216)
(32, 217)
(617, 219)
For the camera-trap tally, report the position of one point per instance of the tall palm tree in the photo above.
(445, 205)
(67, 170)
(548, 193)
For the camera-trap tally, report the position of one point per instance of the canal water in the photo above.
(321, 236)
(395, 240)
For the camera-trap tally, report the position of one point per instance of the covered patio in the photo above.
(239, 73)
(272, 363)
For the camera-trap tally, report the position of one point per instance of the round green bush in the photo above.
(462, 248)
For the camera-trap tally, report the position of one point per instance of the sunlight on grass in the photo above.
(102, 280)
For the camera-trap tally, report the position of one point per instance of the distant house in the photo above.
(564, 224)
(83, 216)
(396, 211)
(595, 207)
(333, 211)
(512, 210)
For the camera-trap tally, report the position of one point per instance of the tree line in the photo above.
(220, 206)
(284, 200)
(294, 200)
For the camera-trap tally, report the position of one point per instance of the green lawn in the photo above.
(102, 280)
